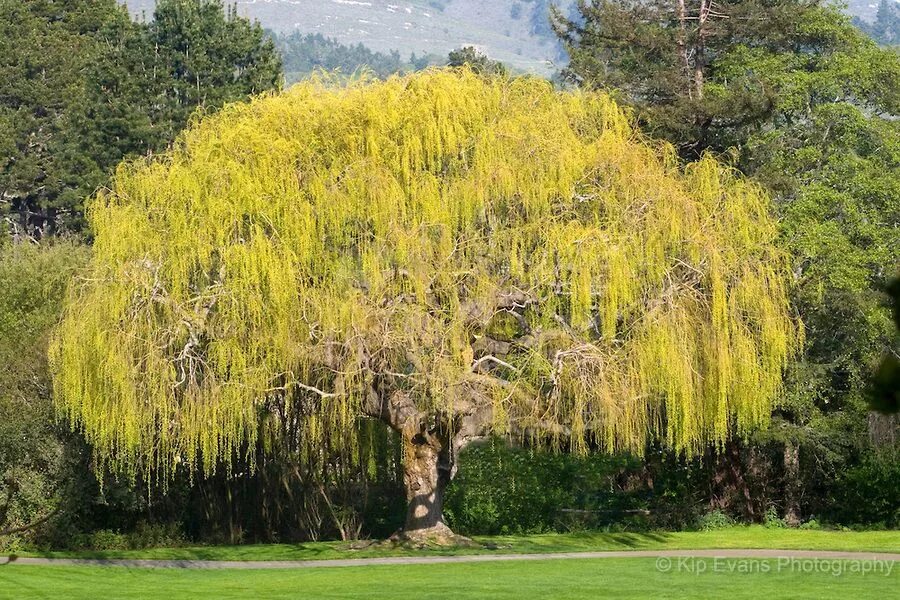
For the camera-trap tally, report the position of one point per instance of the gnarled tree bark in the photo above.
(431, 447)
(426, 472)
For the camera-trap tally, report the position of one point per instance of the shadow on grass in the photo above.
(8, 559)
(728, 538)
(303, 551)
(578, 542)
(532, 544)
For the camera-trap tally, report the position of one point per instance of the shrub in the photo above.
(33, 279)
(144, 535)
(714, 520)
(505, 490)
(771, 520)
(869, 494)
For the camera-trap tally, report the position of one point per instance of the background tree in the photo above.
(33, 280)
(835, 174)
(708, 75)
(478, 62)
(806, 104)
(886, 28)
(205, 56)
(304, 54)
(447, 254)
(43, 51)
(84, 87)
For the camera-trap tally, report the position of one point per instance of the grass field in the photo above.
(729, 538)
(569, 579)
(732, 578)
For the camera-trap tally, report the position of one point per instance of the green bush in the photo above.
(160, 535)
(771, 520)
(143, 536)
(869, 494)
(714, 520)
(105, 539)
(33, 279)
(505, 490)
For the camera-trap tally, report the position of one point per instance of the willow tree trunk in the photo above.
(427, 469)
(431, 446)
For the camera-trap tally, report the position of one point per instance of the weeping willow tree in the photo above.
(452, 255)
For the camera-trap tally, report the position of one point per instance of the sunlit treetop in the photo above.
(486, 253)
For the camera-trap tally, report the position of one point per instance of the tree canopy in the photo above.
(430, 249)
(707, 75)
(477, 61)
(304, 54)
(83, 86)
(43, 54)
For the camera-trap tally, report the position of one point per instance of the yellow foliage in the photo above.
(333, 233)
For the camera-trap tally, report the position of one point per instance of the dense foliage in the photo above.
(507, 490)
(33, 280)
(807, 105)
(836, 177)
(43, 53)
(708, 76)
(83, 86)
(367, 253)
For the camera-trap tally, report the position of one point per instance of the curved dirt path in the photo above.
(470, 558)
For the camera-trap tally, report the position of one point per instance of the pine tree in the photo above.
(44, 48)
(707, 75)
(84, 87)
(886, 28)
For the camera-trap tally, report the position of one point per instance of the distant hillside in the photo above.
(864, 9)
(303, 53)
(513, 31)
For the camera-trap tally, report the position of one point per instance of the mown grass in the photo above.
(547, 580)
(728, 538)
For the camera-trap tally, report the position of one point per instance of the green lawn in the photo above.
(569, 579)
(582, 578)
(734, 537)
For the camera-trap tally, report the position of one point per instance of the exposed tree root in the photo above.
(437, 536)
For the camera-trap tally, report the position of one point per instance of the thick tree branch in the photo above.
(32, 525)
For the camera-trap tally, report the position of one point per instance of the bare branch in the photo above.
(491, 358)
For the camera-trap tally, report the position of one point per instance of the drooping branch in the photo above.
(450, 254)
